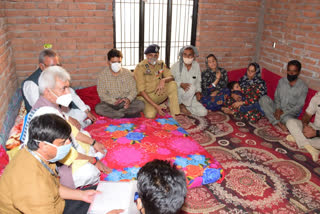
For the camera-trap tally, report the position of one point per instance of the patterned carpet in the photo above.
(264, 172)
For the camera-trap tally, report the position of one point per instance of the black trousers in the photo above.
(77, 207)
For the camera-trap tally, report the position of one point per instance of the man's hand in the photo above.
(103, 168)
(74, 122)
(198, 96)
(160, 110)
(309, 132)
(115, 211)
(99, 147)
(160, 88)
(185, 86)
(118, 102)
(126, 103)
(88, 195)
(91, 116)
(237, 104)
(278, 113)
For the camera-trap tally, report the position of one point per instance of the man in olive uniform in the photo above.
(155, 84)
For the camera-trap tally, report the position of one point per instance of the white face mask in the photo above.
(63, 100)
(187, 61)
(152, 61)
(116, 67)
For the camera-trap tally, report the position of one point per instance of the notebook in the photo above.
(115, 195)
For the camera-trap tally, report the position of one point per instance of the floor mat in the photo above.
(264, 172)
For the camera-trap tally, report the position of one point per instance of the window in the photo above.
(171, 24)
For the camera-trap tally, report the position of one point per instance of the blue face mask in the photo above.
(62, 151)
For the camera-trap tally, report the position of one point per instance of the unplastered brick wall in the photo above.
(228, 29)
(80, 31)
(8, 79)
(292, 31)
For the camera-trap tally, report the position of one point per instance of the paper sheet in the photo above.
(115, 195)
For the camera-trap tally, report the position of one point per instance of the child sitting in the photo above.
(242, 106)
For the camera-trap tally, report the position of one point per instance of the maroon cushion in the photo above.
(235, 75)
(90, 96)
(271, 80)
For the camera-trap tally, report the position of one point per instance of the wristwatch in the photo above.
(95, 160)
(318, 133)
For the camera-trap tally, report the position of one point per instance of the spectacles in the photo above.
(51, 65)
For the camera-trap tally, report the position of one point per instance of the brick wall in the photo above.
(228, 29)
(294, 28)
(81, 32)
(8, 79)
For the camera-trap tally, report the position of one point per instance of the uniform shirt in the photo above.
(290, 99)
(26, 186)
(193, 76)
(148, 77)
(314, 108)
(111, 87)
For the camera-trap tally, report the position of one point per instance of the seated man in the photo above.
(307, 135)
(288, 99)
(54, 82)
(161, 187)
(155, 84)
(30, 183)
(187, 75)
(30, 90)
(117, 90)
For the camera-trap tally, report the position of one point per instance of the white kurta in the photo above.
(188, 98)
(295, 126)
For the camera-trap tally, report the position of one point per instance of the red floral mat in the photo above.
(131, 143)
(264, 172)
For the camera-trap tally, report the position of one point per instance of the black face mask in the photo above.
(292, 78)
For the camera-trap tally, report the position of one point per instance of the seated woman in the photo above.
(239, 105)
(253, 87)
(214, 81)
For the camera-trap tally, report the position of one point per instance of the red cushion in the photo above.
(235, 75)
(89, 96)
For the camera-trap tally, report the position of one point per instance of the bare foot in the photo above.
(226, 110)
(282, 127)
(184, 110)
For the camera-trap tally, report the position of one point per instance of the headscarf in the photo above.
(257, 80)
(195, 51)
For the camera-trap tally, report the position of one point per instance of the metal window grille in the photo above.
(171, 24)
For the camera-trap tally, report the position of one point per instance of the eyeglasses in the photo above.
(51, 65)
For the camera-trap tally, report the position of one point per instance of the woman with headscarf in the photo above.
(253, 87)
(214, 84)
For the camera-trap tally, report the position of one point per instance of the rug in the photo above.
(265, 173)
(131, 143)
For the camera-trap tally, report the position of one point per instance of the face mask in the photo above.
(63, 100)
(62, 151)
(292, 78)
(116, 67)
(152, 61)
(187, 61)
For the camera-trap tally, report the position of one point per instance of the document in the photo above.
(114, 195)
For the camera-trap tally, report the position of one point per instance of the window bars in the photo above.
(171, 24)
